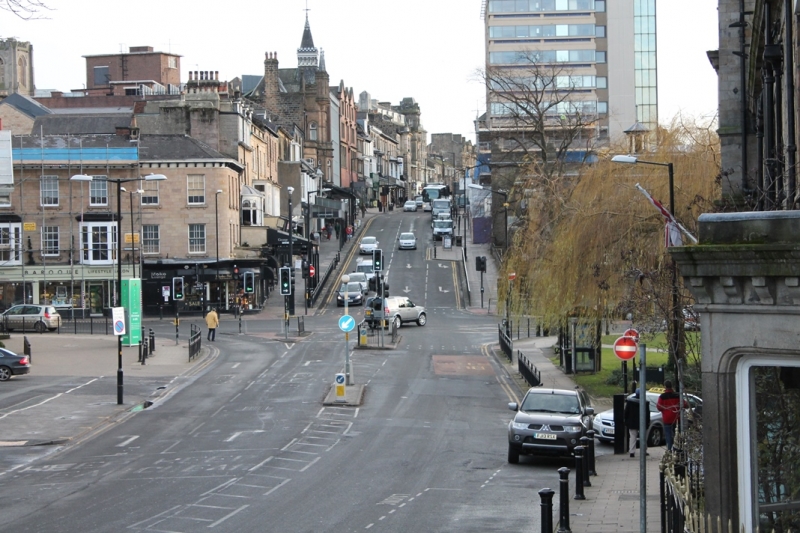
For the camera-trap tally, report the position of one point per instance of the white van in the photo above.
(366, 268)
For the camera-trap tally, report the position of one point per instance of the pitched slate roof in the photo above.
(78, 124)
(25, 105)
(179, 148)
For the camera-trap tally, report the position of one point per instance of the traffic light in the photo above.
(235, 272)
(377, 260)
(480, 263)
(177, 288)
(249, 282)
(285, 280)
(306, 273)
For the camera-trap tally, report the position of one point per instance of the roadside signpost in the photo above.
(312, 271)
(625, 348)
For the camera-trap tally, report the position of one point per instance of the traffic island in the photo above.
(353, 396)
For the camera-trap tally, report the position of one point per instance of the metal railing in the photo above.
(318, 290)
(195, 341)
(506, 344)
(528, 370)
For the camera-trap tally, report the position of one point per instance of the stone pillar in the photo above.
(745, 277)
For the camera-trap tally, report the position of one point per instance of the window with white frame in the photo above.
(312, 131)
(196, 189)
(150, 194)
(48, 188)
(197, 238)
(49, 240)
(151, 243)
(11, 244)
(98, 243)
(98, 190)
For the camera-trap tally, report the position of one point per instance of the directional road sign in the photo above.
(625, 348)
(347, 323)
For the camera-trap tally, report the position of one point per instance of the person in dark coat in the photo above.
(632, 406)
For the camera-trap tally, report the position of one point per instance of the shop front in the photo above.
(80, 290)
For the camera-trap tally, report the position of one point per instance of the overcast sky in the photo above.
(426, 49)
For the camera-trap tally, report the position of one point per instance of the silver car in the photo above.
(367, 245)
(31, 317)
(407, 241)
(397, 309)
(360, 277)
(603, 424)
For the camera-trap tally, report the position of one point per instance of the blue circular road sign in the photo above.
(347, 323)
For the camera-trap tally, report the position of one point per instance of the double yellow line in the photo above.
(349, 258)
(512, 396)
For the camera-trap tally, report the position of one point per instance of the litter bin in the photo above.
(458, 240)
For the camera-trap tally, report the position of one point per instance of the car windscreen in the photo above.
(368, 240)
(350, 287)
(441, 204)
(442, 223)
(551, 403)
(364, 267)
(406, 236)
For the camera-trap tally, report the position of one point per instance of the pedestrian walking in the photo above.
(632, 407)
(338, 228)
(363, 210)
(349, 232)
(212, 321)
(669, 404)
(329, 229)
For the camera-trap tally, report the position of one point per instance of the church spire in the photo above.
(307, 54)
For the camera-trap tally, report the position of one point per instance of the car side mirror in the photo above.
(512, 406)
(590, 411)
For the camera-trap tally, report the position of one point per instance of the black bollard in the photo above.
(141, 345)
(592, 470)
(585, 445)
(563, 496)
(142, 351)
(547, 509)
(579, 473)
(152, 341)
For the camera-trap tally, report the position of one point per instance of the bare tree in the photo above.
(25, 9)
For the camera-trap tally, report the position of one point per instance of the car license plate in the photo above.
(368, 312)
(608, 431)
(545, 436)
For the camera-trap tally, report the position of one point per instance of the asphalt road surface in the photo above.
(248, 446)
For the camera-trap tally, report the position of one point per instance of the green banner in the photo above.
(132, 302)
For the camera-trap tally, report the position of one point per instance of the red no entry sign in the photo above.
(312, 271)
(625, 348)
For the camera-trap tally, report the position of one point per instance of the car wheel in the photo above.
(397, 322)
(5, 373)
(39, 327)
(513, 454)
(656, 437)
(422, 319)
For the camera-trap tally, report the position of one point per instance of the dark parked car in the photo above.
(549, 422)
(12, 364)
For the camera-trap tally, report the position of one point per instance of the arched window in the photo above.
(23, 71)
(312, 131)
(247, 214)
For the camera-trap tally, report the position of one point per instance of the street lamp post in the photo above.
(290, 297)
(81, 178)
(119, 182)
(216, 224)
(675, 319)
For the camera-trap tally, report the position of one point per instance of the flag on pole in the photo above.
(672, 228)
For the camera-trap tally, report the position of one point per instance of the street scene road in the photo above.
(243, 442)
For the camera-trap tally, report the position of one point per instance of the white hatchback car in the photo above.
(410, 205)
(407, 241)
(367, 245)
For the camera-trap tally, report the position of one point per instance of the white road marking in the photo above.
(127, 441)
(235, 365)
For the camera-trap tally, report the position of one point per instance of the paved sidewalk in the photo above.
(613, 501)
(84, 399)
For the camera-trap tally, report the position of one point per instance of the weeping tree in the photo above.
(591, 244)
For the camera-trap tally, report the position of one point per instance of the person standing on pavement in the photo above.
(632, 406)
(669, 404)
(212, 321)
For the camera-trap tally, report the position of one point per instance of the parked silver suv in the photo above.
(549, 422)
(27, 316)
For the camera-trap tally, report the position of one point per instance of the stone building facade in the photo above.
(16, 67)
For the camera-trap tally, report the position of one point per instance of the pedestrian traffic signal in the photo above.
(480, 263)
(249, 282)
(377, 260)
(285, 280)
(177, 288)
(306, 273)
(235, 272)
